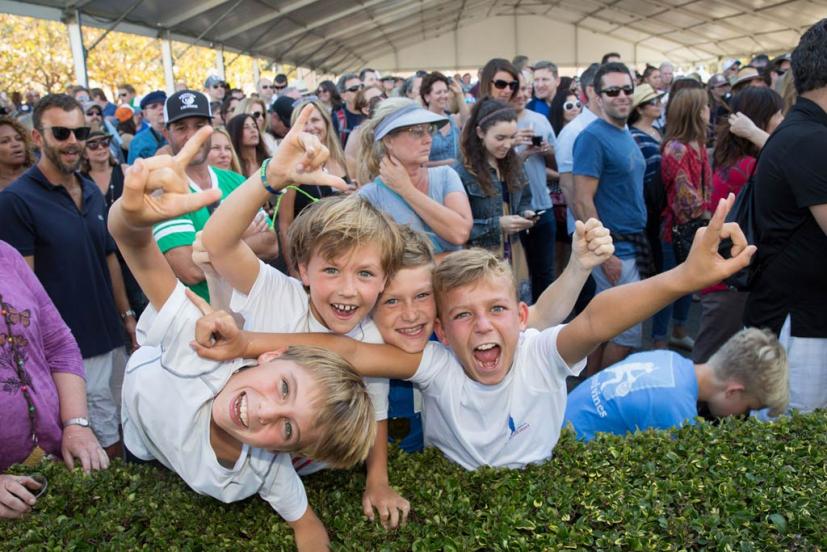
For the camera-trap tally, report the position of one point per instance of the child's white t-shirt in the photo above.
(168, 393)
(511, 424)
(278, 303)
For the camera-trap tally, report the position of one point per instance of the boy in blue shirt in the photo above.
(661, 389)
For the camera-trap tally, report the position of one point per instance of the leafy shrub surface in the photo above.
(740, 486)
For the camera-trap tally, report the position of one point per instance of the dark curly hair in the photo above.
(485, 114)
(428, 82)
(24, 134)
(809, 59)
(760, 105)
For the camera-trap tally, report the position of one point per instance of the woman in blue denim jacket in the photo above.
(493, 177)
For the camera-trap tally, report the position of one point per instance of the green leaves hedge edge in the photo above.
(741, 486)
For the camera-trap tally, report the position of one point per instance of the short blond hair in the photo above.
(418, 250)
(345, 421)
(756, 359)
(468, 266)
(337, 224)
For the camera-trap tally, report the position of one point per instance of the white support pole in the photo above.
(256, 72)
(76, 44)
(219, 61)
(166, 55)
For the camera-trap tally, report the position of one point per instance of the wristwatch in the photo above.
(127, 313)
(82, 422)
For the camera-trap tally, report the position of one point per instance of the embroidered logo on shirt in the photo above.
(514, 428)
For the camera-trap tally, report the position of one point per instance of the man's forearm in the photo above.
(118, 286)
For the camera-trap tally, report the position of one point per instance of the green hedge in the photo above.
(738, 486)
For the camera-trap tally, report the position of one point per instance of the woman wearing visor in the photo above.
(395, 145)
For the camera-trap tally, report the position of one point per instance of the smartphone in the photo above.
(537, 141)
(539, 213)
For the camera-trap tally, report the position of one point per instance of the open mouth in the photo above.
(412, 331)
(487, 356)
(343, 311)
(238, 411)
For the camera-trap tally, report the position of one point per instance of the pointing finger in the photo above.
(199, 302)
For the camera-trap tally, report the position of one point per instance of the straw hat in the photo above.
(644, 93)
(745, 74)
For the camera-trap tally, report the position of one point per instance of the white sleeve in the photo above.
(283, 489)
(378, 389)
(436, 361)
(274, 304)
(564, 151)
(543, 360)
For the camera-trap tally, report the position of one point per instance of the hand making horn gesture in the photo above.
(300, 159)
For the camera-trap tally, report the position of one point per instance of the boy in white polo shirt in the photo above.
(221, 426)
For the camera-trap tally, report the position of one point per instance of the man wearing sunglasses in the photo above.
(348, 117)
(215, 88)
(265, 90)
(56, 218)
(151, 139)
(608, 185)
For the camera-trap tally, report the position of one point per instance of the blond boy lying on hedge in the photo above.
(222, 426)
(494, 392)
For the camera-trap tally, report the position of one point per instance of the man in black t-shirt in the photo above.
(790, 292)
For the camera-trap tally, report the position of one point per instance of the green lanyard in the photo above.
(278, 202)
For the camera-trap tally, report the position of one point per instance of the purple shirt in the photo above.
(50, 348)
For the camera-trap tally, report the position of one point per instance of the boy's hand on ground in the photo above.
(705, 266)
(393, 509)
(300, 159)
(217, 337)
(592, 244)
(157, 189)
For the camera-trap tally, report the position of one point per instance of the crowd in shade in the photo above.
(249, 288)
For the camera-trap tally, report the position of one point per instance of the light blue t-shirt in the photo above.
(564, 151)
(535, 165)
(441, 182)
(611, 155)
(656, 389)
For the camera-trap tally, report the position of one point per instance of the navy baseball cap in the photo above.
(186, 103)
(156, 96)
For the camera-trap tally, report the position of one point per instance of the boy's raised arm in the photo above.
(155, 190)
(616, 309)
(299, 159)
(591, 245)
(217, 337)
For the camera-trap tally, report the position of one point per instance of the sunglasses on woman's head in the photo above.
(568, 106)
(615, 91)
(502, 84)
(97, 144)
(62, 133)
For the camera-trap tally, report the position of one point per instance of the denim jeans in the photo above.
(538, 243)
(677, 311)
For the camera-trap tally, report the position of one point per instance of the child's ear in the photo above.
(523, 310)
(303, 274)
(271, 355)
(733, 389)
(440, 332)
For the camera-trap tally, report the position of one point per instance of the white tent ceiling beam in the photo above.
(196, 10)
(214, 24)
(277, 12)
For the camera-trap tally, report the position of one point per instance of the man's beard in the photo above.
(53, 154)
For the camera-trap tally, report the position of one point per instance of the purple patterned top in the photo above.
(48, 347)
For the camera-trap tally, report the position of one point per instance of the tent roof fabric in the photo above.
(334, 35)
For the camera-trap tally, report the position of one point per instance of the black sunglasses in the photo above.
(256, 114)
(266, 86)
(62, 133)
(97, 144)
(94, 112)
(355, 88)
(279, 87)
(502, 84)
(615, 91)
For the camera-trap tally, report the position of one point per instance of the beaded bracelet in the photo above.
(263, 175)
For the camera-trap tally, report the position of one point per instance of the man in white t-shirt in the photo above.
(222, 426)
(494, 393)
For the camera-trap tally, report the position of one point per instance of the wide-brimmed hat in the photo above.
(729, 63)
(644, 93)
(745, 74)
(410, 115)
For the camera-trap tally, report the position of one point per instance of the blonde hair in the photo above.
(371, 153)
(331, 141)
(344, 417)
(246, 106)
(755, 358)
(418, 250)
(337, 224)
(468, 266)
(235, 165)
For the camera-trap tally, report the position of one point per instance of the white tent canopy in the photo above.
(331, 36)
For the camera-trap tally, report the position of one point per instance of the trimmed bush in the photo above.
(740, 486)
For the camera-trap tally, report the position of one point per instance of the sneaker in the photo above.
(685, 342)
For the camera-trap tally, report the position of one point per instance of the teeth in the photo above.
(411, 331)
(486, 346)
(242, 410)
(344, 308)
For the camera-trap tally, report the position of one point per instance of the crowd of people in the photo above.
(302, 277)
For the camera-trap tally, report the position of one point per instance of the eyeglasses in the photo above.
(502, 84)
(355, 88)
(568, 106)
(62, 133)
(279, 86)
(94, 113)
(615, 91)
(420, 131)
(219, 85)
(95, 145)
(256, 115)
(780, 72)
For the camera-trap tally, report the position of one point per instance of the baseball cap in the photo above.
(280, 79)
(184, 104)
(212, 80)
(124, 113)
(729, 63)
(91, 105)
(156, 96)
(283, 108)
